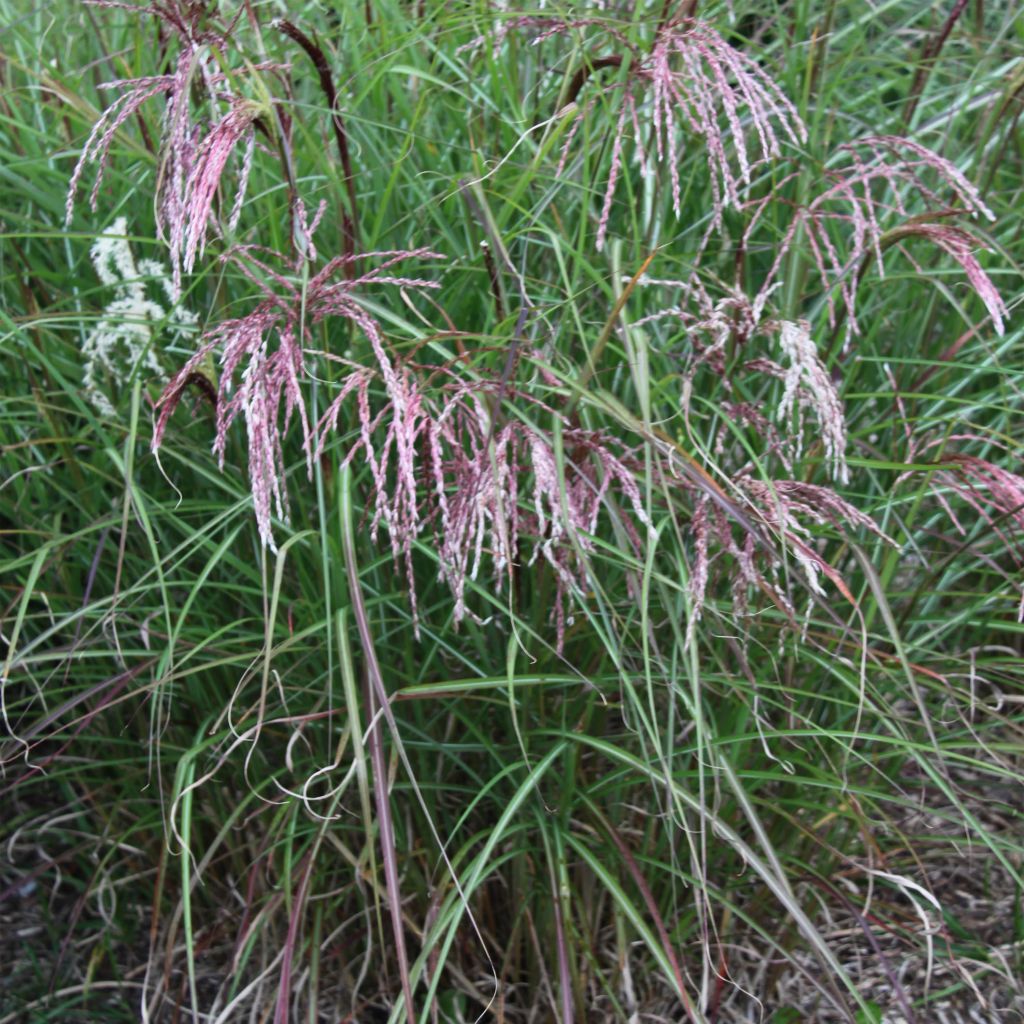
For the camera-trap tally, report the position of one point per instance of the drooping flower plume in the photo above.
(788, 505)
(204, 177)
(696, 84)
(994, 493)
(506, 491)
(787, 509)
(807, 382)
(882, 189)
(697, 81)
(190, 164)
(986, 487)
(263, 358)
(691, 84)
(719, 340)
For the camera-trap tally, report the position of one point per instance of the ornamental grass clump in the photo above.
(544, 543)
(688, 83)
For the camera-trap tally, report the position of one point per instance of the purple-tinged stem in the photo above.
(377, 696)
(929, 55)
(588, 68)
(564, 976)
(317, 56)
(284, 990)
(894, 983)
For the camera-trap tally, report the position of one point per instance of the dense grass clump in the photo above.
(511, 512)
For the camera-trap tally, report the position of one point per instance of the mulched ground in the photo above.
(963, 964)
(74, 961)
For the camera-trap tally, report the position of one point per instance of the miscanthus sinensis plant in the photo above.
(551, 544)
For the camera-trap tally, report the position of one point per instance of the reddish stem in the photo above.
(317, 56)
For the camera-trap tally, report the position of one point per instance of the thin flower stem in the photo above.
(377, 697)
(316, 55)
(929, 55)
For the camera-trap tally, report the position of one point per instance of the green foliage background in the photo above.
(186, 769)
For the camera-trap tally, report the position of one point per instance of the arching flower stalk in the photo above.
(993, 492)
(877, 179)
(190, 163)
(961, 245)
(692, 82)
(494, 497)
(996, 496)
(263, 358)
(188, 21)
(848, 226)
